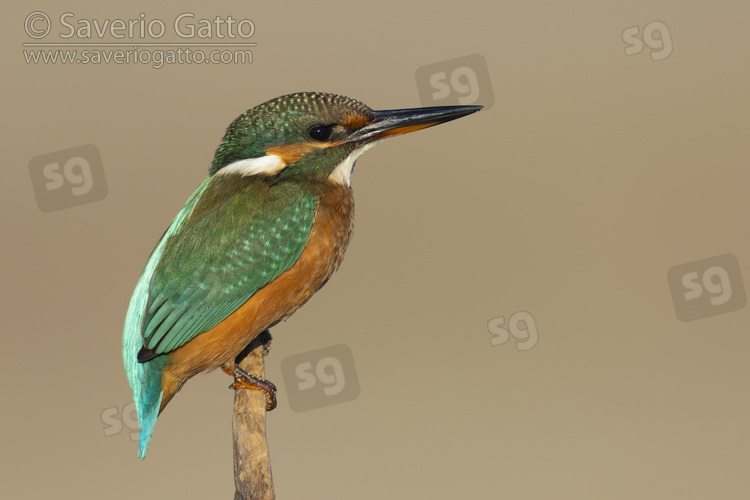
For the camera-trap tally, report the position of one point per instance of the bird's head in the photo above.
(315, 136)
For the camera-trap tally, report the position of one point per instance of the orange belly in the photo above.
(329, 237)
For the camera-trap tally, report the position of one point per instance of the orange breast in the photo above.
(331, 230)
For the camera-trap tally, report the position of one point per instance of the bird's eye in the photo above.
(320, 133)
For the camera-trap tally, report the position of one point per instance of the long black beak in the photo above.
(402, 121)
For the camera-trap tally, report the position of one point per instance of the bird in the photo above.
(259, 236)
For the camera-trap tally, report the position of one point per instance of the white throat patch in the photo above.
(269, 164)
(342, 174)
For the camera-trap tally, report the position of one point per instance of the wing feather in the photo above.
(240, 235)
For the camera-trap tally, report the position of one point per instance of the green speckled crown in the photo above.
(281, 120)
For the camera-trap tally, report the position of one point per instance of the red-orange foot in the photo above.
(243, 380)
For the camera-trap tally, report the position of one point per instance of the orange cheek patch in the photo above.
(354, 121)
(292, 153)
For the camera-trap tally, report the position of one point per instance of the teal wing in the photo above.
(240, 235)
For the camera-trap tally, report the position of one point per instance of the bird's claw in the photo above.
(244, 380)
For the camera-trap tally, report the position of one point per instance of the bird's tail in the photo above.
(147, 419)
(144, 378)
(147, 403)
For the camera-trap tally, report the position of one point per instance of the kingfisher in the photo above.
(254, 242)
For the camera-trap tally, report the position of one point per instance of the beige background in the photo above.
(591, 176)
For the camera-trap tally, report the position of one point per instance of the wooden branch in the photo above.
(252, 464)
